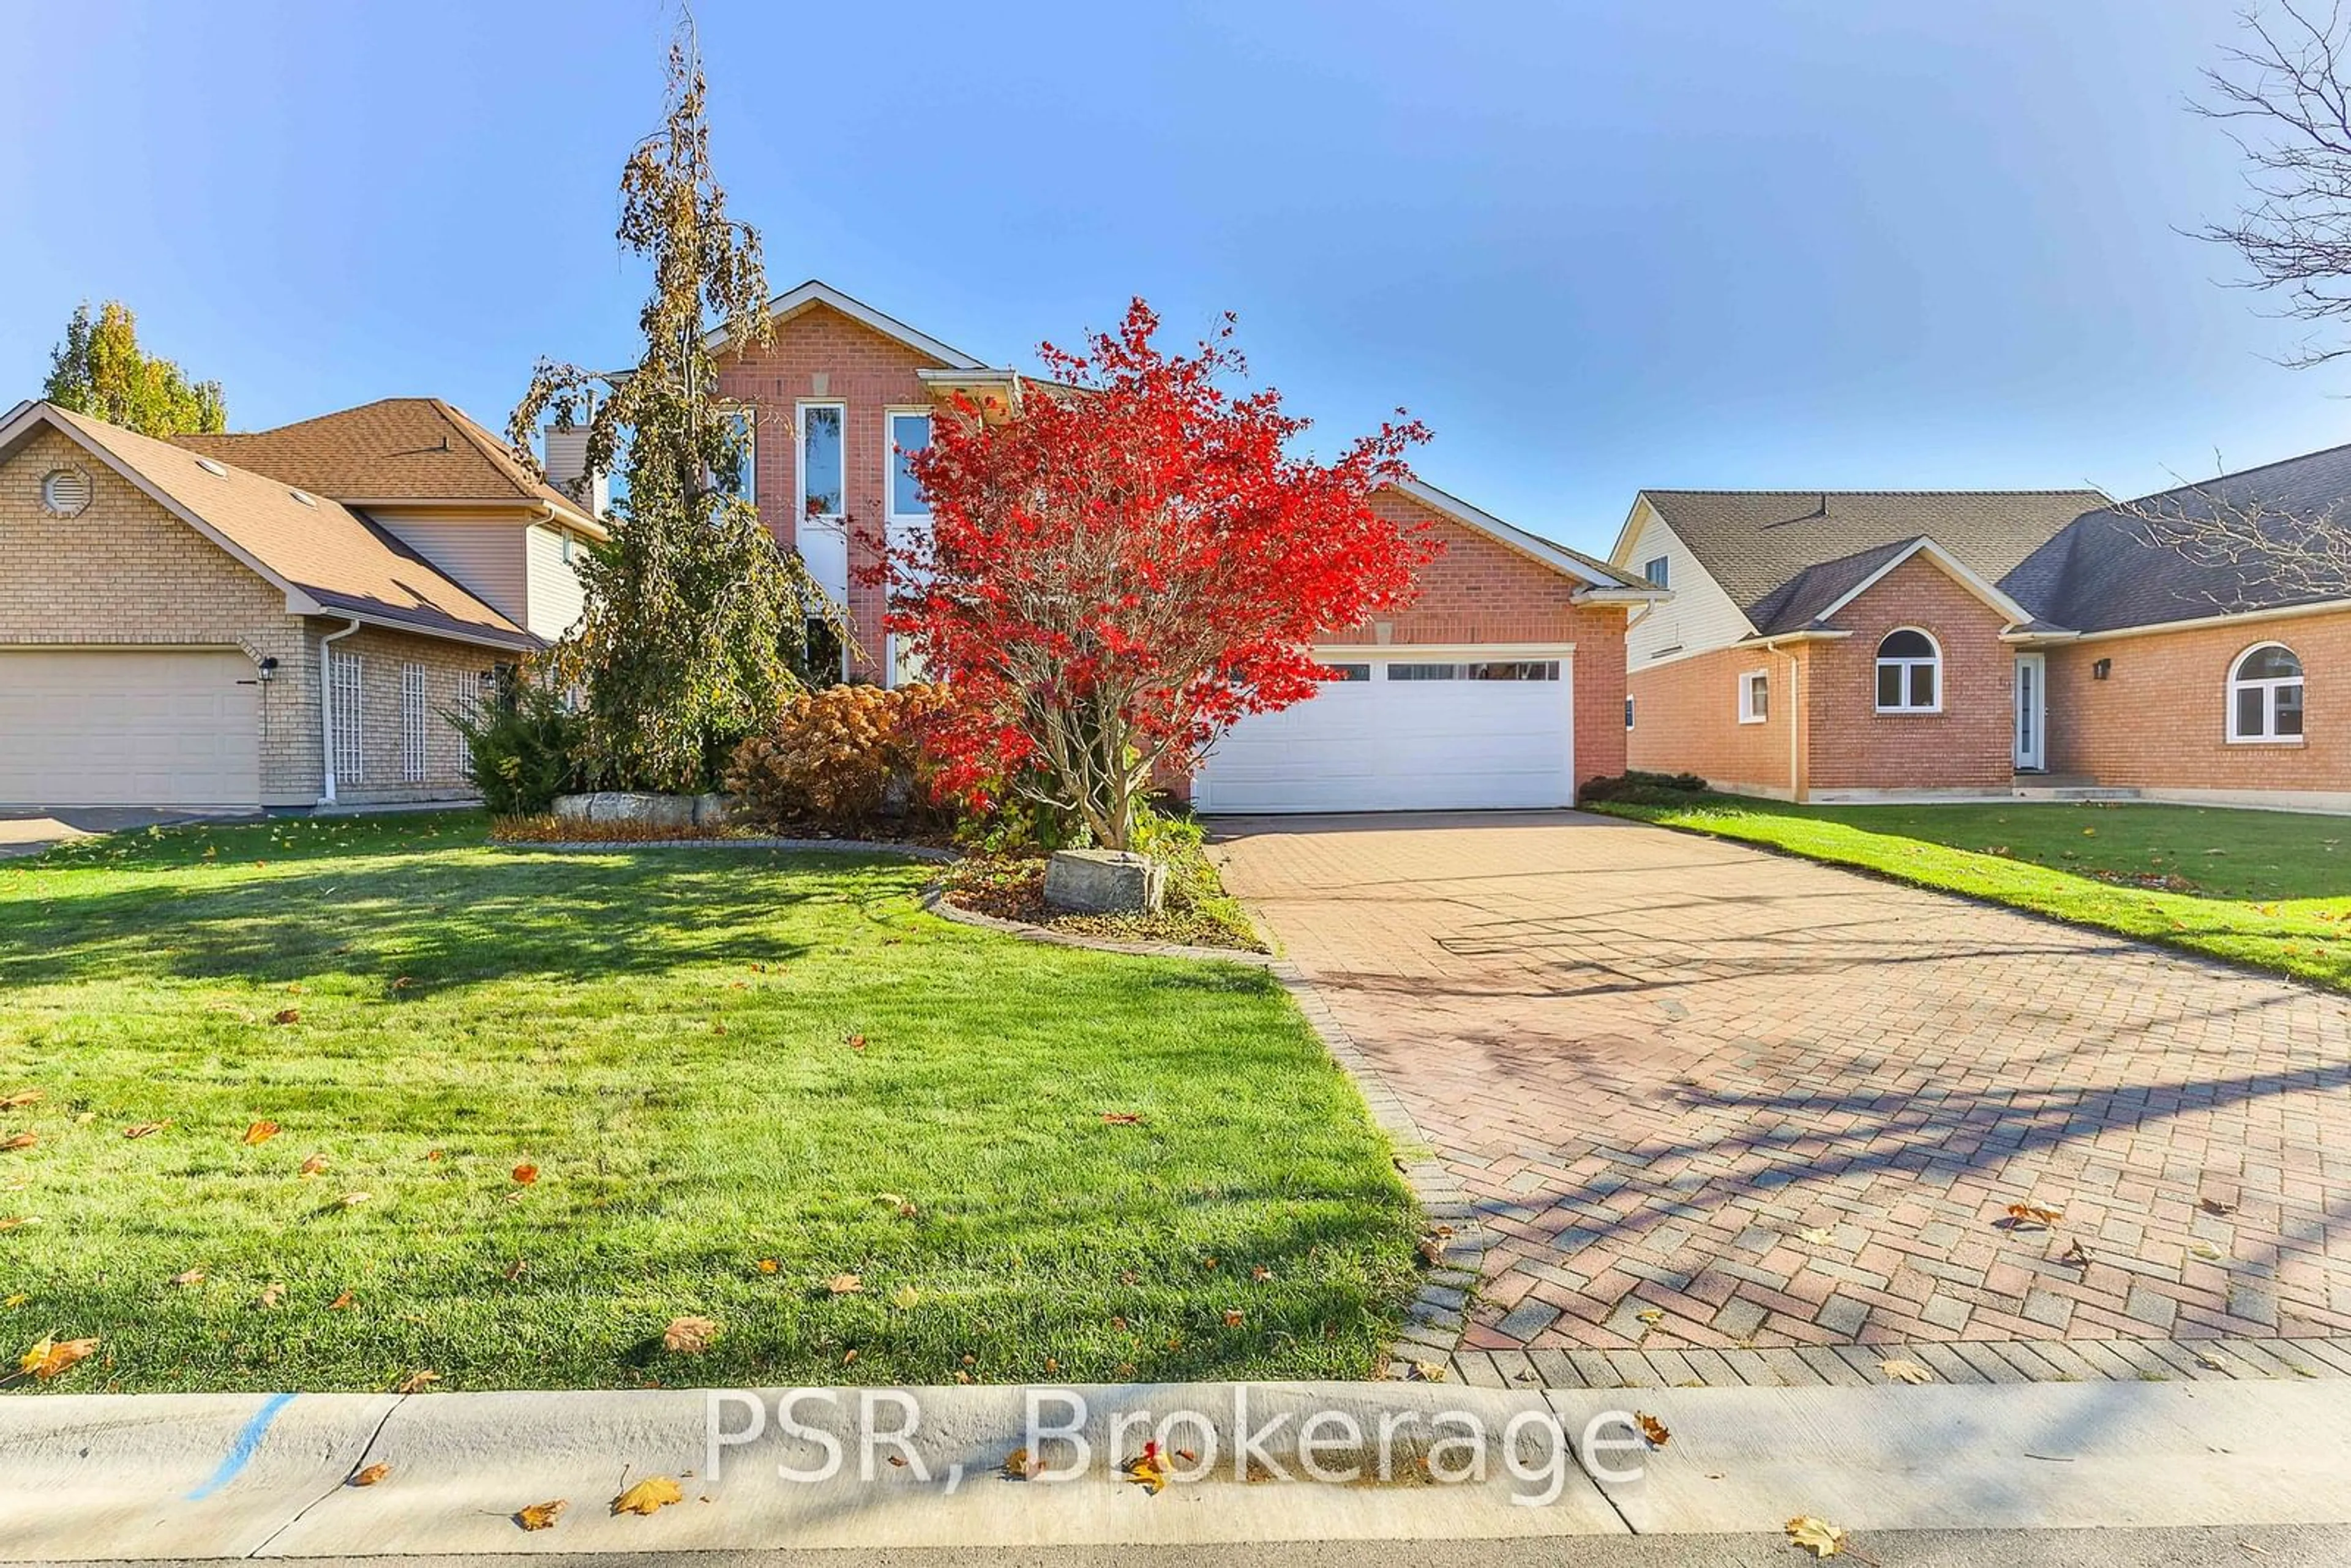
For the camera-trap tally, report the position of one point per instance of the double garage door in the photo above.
(124, 727)
(1405, 733)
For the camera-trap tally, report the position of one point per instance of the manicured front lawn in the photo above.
(2264, 888)
(739, 1074)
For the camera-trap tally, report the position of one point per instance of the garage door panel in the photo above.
(128, 727)
(1388, 744)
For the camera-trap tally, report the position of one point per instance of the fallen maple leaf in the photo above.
(1148, 1469)
(343, 1303)
(260, 1133)
(2076, 1255)
(844, 1284)
(1821, 1236)
(1019, 1465)
(271, 1294)
(526, 1174)
(1817, 1536)
(540, 1515)
(370, 1476)
(53, 1357)
(314, 1165)
(689, 1336)
(2209, 1205)
(352, 1199)
(402, 982)
(416, 1381)
(516, 1270)
(1652, 1428)
(191, 1277)
(769, 1265)
(1122, 1118)
(854, 1041)
(905, 1297)
(1904, 1371)
(143, 1129)
(1260, 1274)
(19, 1100)
(648, 1496)
(2034, 1213)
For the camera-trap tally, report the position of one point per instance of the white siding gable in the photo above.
(1698, 619)
(555, 597)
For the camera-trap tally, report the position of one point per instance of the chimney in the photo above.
(567, 461)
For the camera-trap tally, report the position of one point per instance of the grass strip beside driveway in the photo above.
(549, 1103)
(2146, 871)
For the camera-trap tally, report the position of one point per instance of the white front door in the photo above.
(2031, 713)
(1405, 732)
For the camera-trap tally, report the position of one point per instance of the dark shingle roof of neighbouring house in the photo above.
(2105, 571)
(1800, 600)
(1754, 542)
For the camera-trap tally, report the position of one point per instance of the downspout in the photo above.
(1795, 727)
(326, 711)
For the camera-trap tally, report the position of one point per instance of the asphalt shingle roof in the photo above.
(1800, 601)
(394, 449)
(2105, 571)
(1755, 543)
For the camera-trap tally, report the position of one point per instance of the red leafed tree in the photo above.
(1133, 560)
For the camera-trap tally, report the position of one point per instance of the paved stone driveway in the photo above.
(1724, 1105)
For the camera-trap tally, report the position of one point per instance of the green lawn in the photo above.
(731, 1069)
(2268, 889)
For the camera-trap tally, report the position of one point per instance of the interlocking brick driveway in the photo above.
(1713, 1101)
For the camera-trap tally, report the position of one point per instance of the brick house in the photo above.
(1847, 646)
(1500, 686)
(282, 618)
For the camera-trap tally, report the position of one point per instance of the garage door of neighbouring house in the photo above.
(1405, 732)
(128, 726)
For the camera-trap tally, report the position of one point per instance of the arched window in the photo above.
(1909, 673)
(2265, 694)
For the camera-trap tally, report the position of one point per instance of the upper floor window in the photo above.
(909, 432)
(1909, 673)
(822, 494)
(1754, 697)
(2265, 694)
(1654, 570)
(743, 483)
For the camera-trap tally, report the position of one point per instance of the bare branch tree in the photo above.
(2253, 549)
(2284, 100)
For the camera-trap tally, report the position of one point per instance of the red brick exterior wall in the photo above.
(2159, 719)
(823, 354)
(1685, 720)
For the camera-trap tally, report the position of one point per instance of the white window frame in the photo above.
(1628, 712)
(347, 673)
(415, 732)
(1749, 713)
(747, 480)
(896, 668)
(801, 514)
(1934, 660)
(1665, 563)
(2269, 688)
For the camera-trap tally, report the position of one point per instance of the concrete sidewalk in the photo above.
(101, 1478)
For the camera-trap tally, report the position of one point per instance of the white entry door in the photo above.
(2031, 712)
(1405, 732)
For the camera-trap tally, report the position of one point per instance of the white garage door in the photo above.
(128, 727)
(1404, 734)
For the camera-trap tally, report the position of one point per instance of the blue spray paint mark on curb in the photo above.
(240, 1453)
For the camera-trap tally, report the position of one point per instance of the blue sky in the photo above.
(1596, 245)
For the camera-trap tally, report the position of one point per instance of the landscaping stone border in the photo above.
(934, 900)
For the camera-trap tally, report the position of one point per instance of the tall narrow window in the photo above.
(347, 681)
(1754, 697)
(2265, 694)
(1909, 673)
(822, 495)
(414, 733)
(743, 481)
(909, 433)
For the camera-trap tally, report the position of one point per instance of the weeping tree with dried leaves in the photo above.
(1133, 561)
(696, 619)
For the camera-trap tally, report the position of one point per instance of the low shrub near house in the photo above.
(522, 749)
(1635, 788)
(841, 759)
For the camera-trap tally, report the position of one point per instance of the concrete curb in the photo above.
(108, 1477)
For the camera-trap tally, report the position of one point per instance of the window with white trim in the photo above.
(1496, 670)
(1909, 673)
(743, 483)
(346, 679)
(1754, 697)
(1628, 712)
(2265, 695)
(909, 433)
(415, 734)
(1654, 570)
(823, 490)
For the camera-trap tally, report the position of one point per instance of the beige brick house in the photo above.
(283, 618)
(1899, 645)
(1500, 686)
